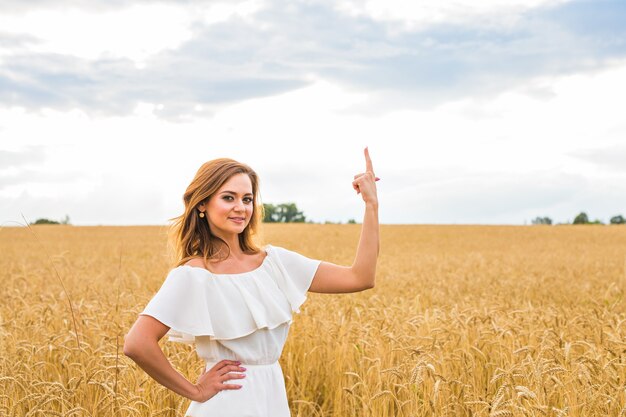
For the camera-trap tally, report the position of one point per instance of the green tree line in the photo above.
(66, 220)
(582, 218)
(274, 213)
(283, 213)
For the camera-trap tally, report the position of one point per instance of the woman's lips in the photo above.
(236, 219)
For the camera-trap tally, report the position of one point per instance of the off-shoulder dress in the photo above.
(245, 317)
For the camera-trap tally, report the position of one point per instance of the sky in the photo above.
(474, 111)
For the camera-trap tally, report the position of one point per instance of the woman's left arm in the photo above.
(331, 278)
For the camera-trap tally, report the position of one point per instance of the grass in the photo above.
(464, 321)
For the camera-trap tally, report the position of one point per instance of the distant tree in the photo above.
(45, 221)
(542, 220)
(581, 219)
(619, 219)
(597, 221)
(351, 221)
(270, 213)
(283, 213)
(290, 214)
(66, 220)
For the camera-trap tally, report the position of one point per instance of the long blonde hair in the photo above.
(190, 235)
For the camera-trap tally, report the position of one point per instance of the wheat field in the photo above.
(487, 321)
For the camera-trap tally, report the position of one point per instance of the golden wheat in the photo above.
(481, 321)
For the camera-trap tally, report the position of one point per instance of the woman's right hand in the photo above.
(211, 381)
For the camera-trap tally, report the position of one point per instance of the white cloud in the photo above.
(221, 11)
(420, 14)
(519, 146)
(136, 32)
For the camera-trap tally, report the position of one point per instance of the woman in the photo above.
(234, 300)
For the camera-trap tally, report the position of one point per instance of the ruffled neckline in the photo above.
(255, 270)
(194, 302)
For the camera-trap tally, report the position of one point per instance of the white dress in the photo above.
(244, 317)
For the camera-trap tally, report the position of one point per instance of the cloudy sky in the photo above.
(474, 111)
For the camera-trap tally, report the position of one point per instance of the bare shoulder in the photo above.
(196, 262)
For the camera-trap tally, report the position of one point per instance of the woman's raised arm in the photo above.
(331, 278)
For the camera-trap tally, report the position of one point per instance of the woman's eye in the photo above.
(248, 199)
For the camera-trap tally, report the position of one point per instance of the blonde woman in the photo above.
(235, 300)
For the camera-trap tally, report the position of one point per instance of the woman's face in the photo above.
(230, 209)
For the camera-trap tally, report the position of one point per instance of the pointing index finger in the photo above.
(368, 161)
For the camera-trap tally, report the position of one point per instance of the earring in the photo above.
(201, 214)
